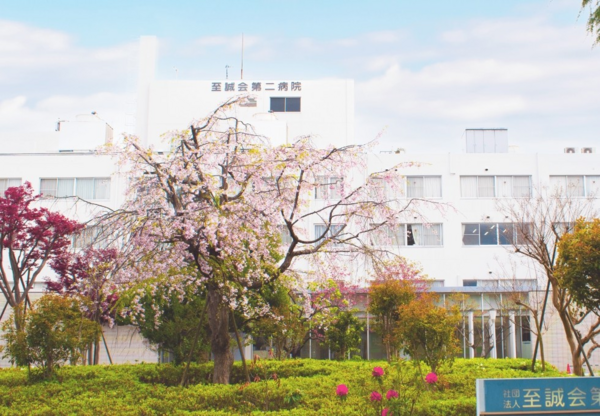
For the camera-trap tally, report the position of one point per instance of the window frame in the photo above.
(408, 231)
(5, 184)
(334, 230)
(585, 186)
(46, 192)
(495, 178)
(494, 240)
(326, 185)
(410, 178)
(285, 105)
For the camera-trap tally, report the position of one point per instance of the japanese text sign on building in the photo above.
(539, 396)
(250, 86)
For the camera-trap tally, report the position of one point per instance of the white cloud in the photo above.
(535, 77)
(538, 79)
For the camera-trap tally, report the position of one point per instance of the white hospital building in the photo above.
(463, 249)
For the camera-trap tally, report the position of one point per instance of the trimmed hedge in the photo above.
(291, 387)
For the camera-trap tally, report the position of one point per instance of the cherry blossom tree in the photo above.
(30, 238)
(222, 198)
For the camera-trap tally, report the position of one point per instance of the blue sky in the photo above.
(424, 71)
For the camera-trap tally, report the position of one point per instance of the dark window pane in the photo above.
(278, 104)
(489, 235)
(506, 234)
(469, 282)
(471, 234)
(292, 104)
(410, 237)
(525, 329)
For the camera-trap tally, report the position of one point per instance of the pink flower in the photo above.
(386, 412)
(431, 378)
(391, 394)
(342, 390)
(377, 372)
(376, 396)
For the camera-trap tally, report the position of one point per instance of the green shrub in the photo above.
(53, 332)
(290, 387)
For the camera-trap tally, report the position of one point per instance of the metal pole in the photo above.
(368, 337)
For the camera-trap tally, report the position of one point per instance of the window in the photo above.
(86, 188)
(408, 235)
(328, 187)
(492, 234)
(322, 233)
(286, 238)
(285, 104)
(6, 183)
(576, 185)
(387, 235)
(424, 186)
(495, 186)
(469, 283)
(89, 236)
(377, 188)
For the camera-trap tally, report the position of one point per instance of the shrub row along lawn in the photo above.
(291, 387)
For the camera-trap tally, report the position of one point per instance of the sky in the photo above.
(423, 71)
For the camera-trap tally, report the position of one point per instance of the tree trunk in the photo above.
(563, 313)
(218, 320)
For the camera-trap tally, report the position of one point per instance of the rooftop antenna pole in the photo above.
(242, 70)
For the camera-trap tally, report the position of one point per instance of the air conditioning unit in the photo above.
(588, 150)
(570, 150)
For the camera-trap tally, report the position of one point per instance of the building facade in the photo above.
(462, 236)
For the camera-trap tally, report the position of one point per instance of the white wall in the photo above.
(327, 109)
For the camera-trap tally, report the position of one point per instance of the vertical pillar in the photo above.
(368, 335)
(492, 329)
(471, 335)
(512, 339)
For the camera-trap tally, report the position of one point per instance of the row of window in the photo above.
(85, 188)
(473, 234)
(330, 186)
(473, 186)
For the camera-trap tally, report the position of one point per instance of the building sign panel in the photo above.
(242, 86)
(539, 396)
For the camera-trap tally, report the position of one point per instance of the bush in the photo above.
(53, 332)
(291, 387)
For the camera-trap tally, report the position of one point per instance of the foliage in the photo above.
(30, 238)
(594, 17)
(299, 316)
(385, 299)
(55, 331)
(169, 316)
(344, 334)
(428, 332)
(578, 264)
(140, 389)
(89, 273)
(540, 222)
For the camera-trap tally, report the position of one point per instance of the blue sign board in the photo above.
(539, 396)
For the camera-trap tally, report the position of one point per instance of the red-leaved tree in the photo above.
(30, 238)
(89, 273)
